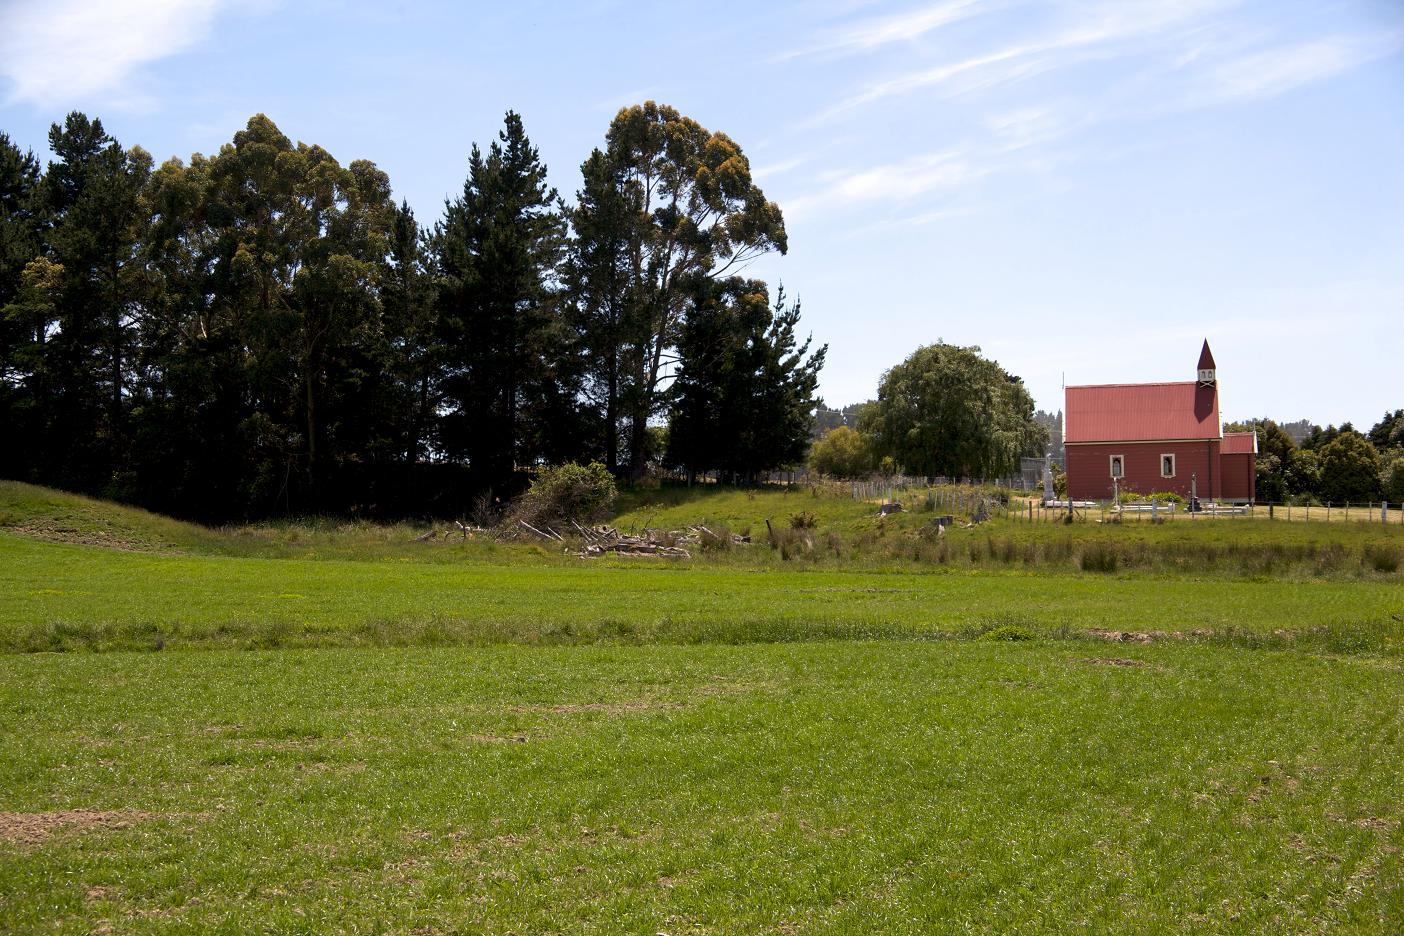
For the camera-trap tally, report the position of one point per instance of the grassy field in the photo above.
(830, 787)
(1149, 727)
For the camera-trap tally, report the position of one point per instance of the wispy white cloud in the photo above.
(770, 170)
(1095, 30)
(1275, 71)
(875, 32)
(1024, 127)
(65, 50)
(947, 170)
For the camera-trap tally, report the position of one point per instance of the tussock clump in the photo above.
(791, 543)
(716, 540)
(1098, 557)
(1382, 557)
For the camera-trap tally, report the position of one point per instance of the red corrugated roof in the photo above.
(1240, 443)
(1141, 412)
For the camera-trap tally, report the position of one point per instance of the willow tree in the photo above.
(948, 411)
(687, 213)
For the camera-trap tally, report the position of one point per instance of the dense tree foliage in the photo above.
(265, 331)
(948, 411)
(1388, 433)
(1350, 469)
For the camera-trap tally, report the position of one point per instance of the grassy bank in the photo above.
(791, 528)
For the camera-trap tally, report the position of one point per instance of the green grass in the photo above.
(499, 737)
(56, 597)
(832, 787)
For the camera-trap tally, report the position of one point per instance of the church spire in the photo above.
(1206, 366)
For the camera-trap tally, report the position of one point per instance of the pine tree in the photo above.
(597, 280)
(744, 397)
(21, 336)
(94, 288)
(506, 347)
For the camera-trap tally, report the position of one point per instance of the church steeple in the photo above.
(1206, 366)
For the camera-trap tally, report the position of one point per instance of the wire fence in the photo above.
(993, 501)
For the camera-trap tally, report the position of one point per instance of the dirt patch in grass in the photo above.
(58, 533)
(1111, 661)
(1373, 823)
(37, 828)
(497, 739)
(1119, 636)
(623, 707)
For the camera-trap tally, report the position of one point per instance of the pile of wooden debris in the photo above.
(464, 531)
(602, 540)
(670, 544)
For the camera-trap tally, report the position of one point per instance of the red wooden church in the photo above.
(1156, 437)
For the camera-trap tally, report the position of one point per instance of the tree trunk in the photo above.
(612, 413)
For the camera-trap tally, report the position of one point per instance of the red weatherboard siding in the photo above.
(1141, 412)
(1089, 468)
(1240, 475)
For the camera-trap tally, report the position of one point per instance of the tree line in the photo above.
(265, 331)
(1334, 465)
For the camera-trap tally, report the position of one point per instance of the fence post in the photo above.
(1384, 512)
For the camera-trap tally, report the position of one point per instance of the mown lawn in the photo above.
(852, 786)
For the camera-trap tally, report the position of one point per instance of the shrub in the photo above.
(804, 520)
(1008, 632)
(843, 453)
(568, 492)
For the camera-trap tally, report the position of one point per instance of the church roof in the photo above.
(1240, 443)
(1151, 412)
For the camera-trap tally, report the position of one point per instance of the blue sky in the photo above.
(1081, 188)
